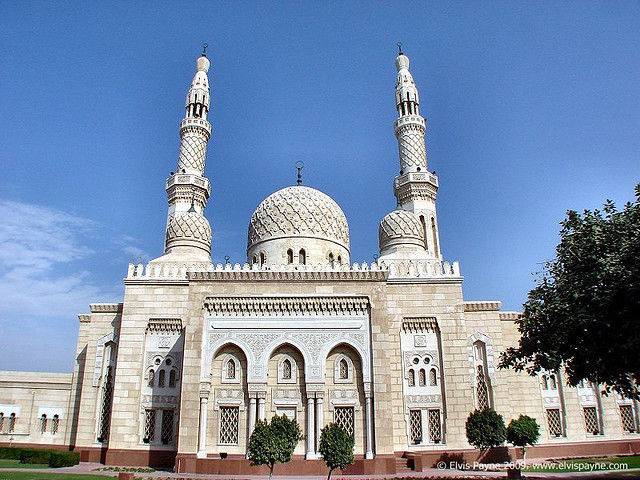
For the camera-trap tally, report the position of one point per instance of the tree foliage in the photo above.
(583, 313)
(523, 431)
(273, 442)
(485, 429)
(336, 447)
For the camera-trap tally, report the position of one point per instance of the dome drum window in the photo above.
(287, 370)
(343, 370)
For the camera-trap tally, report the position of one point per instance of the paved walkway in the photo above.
(432, 473)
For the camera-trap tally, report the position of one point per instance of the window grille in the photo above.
(554, 422)
(231, 370)
(554, 385)
(12, 422)
(415, 426)
(628, 420)
(433, 379)
(55, 423)
(435, 429)
(1, 422)
(151, 377)
(229, 425)
(286, 369)
(149, 426)
(105, 408)
(422, 380)
(166, 433)
(412, 378)
(344, 369)
(172, 379)
(482, 390)
(545, 383)
(43, 423)
(591, 423)
(162, 377)
(344, 417)
(302, 257)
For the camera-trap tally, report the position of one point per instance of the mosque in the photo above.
(177, 374)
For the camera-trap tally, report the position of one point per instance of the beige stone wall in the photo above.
(30, 395)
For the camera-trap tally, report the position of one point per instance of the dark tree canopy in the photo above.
(583, 316)
(485, 429)
(523, 431)
(336, 447)
(273, 442)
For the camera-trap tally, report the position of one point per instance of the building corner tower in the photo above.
(415, 187)
(188, 234)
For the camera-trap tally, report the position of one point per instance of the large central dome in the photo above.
(298, 225)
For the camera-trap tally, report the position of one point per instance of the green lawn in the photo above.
(47, 476)
(585, 464)
(4, 463)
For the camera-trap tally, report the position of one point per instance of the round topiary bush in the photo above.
(485, 429)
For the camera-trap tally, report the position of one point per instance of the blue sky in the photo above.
(532, 108)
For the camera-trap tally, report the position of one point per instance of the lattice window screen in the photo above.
(435, 429)
(554, 422)
(229, 425)
(591, 420)
(1, 422)
(55, 423)
(12, 422)
(344, 369)
(149, 426)
(415, 426)
(43, 424)
(344, 417)
(105, 408)
(166, 432)
(628, 420)
(286, 370)
(422, 377)
(481, 390)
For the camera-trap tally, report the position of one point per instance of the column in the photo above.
(319, 418)
(311, 450)
(202, 428)
(252, 414)
(261, 415)
(369, 427)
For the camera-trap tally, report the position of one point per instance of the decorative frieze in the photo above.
(164, 325)
(106, 307)
(485, 306)
(286, 306)
(419, 325)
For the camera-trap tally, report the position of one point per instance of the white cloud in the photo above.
(41, 250)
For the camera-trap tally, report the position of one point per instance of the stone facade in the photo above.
(180, 371)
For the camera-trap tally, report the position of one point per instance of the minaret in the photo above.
(188, 234)
(415, 187)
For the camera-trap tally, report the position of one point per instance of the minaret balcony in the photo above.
(416, 177)
(193, 122)
(409, 119)
(188, 179)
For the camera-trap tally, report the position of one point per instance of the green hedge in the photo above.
(31, 455)
(64, 459)
(53, 458)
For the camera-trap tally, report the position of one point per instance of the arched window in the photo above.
(263, 258)
(289, 256)
(412, 378)
(545, 383)
(554, 385)
(482, 391)
(339, 260)
(43, 423)
(422, 377)
(482, 383)
(12, 422)
(255, 259)
(302, 257)
(1, 421)
(433, 379)
(172, 378)
(54, 424)
(434, 232)
(344, 369)
(424, 231)
(151, 377)
(161, 378)
(331, 259)
(231, 369)
(286, 369)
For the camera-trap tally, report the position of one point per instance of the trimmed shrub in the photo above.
(64, 459)
(485, 429)
(32, 455)
(10, 453)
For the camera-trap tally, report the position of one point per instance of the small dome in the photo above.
(299, 218)
(400, 228)
(203, 64)
(402, 61)
(188, 229)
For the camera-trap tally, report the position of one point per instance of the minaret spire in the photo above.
(188, 234)
(415, 187)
